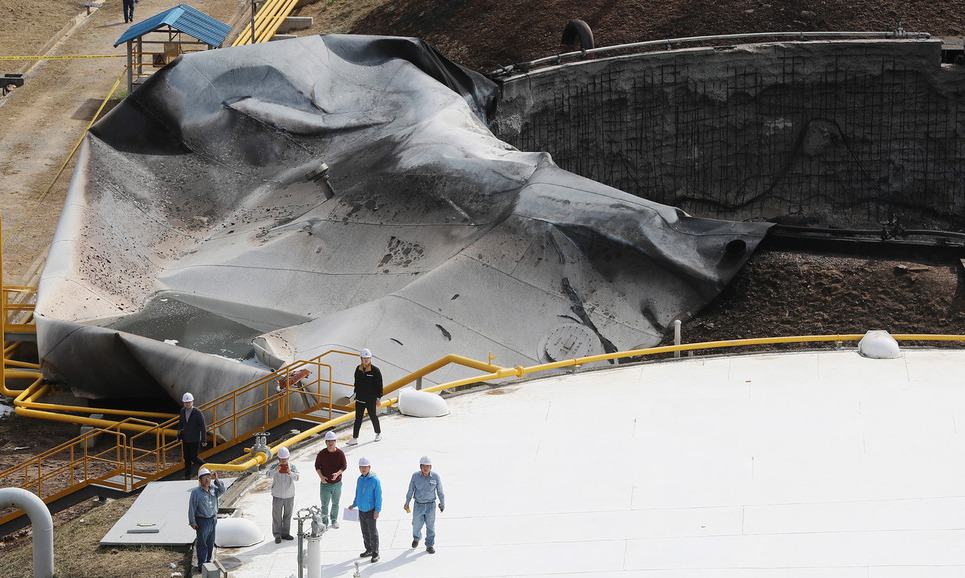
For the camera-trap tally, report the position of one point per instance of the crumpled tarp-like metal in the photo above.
(197, 213)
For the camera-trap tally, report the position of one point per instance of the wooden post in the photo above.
(130, 68)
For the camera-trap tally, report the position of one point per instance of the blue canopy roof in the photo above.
(184, 18)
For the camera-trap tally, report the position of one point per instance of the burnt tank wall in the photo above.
(846, 133)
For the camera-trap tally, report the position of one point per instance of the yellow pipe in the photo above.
(80, 420)
(26, 364)
(30, 404)
(439, 364)
(518, 371)
(22, 373)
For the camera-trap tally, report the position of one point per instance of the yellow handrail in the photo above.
(496, 372)
(268, 20)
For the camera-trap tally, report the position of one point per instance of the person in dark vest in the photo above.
(368, 393)
(192, 431)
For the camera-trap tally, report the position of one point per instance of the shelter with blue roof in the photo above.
(158, 40)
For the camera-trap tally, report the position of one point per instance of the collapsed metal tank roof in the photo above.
(203, 241)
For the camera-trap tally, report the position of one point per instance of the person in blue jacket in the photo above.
(368, 499)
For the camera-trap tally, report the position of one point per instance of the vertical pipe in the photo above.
(3, 318)
(252, 22)
(130, 67)
(676, 336)
(42, 527)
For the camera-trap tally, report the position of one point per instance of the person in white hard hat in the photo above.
(203, 512)
(424, 486)
(368, 499)
(283, 476)
(368, 395)
(192, 431)
(330, 464)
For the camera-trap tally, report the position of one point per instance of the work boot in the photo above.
(366, 554)
(287, 537)
(278, 539)
(334, 525)
(415, 543)
(430, 550)
(353, 442)
(375, 557)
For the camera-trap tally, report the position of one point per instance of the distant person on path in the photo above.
(330, 464)
(128, 10)
(368, 393)
(192, 431)
(203, 512)
(368, 499)
(424, 486)
(283, 476)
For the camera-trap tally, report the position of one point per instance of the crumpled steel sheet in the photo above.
(198, 214)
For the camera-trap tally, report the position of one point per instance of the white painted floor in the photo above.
(778, 465)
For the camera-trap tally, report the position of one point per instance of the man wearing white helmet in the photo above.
(368, 392)
(329, 464)
(192, 432)
(368, 499)
(203, 512)
(283, 476)
(424, 486)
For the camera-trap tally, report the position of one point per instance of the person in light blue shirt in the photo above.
(203, 512)
(424, 486)
(368, 499)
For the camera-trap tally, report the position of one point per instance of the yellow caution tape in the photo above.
(63, 57)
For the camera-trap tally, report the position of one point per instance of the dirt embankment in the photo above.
(483, 34)
(791, 293)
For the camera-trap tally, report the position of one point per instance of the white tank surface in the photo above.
(878, 344)
(416, 403)
(237, 533)
(785, 465)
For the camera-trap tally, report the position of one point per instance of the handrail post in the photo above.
(676, 337)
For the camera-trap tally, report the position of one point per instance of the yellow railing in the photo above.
(18, 312)
(497, 373)
(268, 20)
(154, 451)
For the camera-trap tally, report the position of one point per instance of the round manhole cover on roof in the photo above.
(568, 341)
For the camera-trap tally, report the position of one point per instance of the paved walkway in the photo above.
(42, 121)
(794, 465)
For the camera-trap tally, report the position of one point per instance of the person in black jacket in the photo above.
(192, 431)
(368, 392)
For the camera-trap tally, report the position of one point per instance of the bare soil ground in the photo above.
(484, 34)
(77, 550)
(792, 293)
(42, 121)
(26, 26)
(337, 16)
(21, 438)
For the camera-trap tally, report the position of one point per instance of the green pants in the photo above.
(330, 492)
